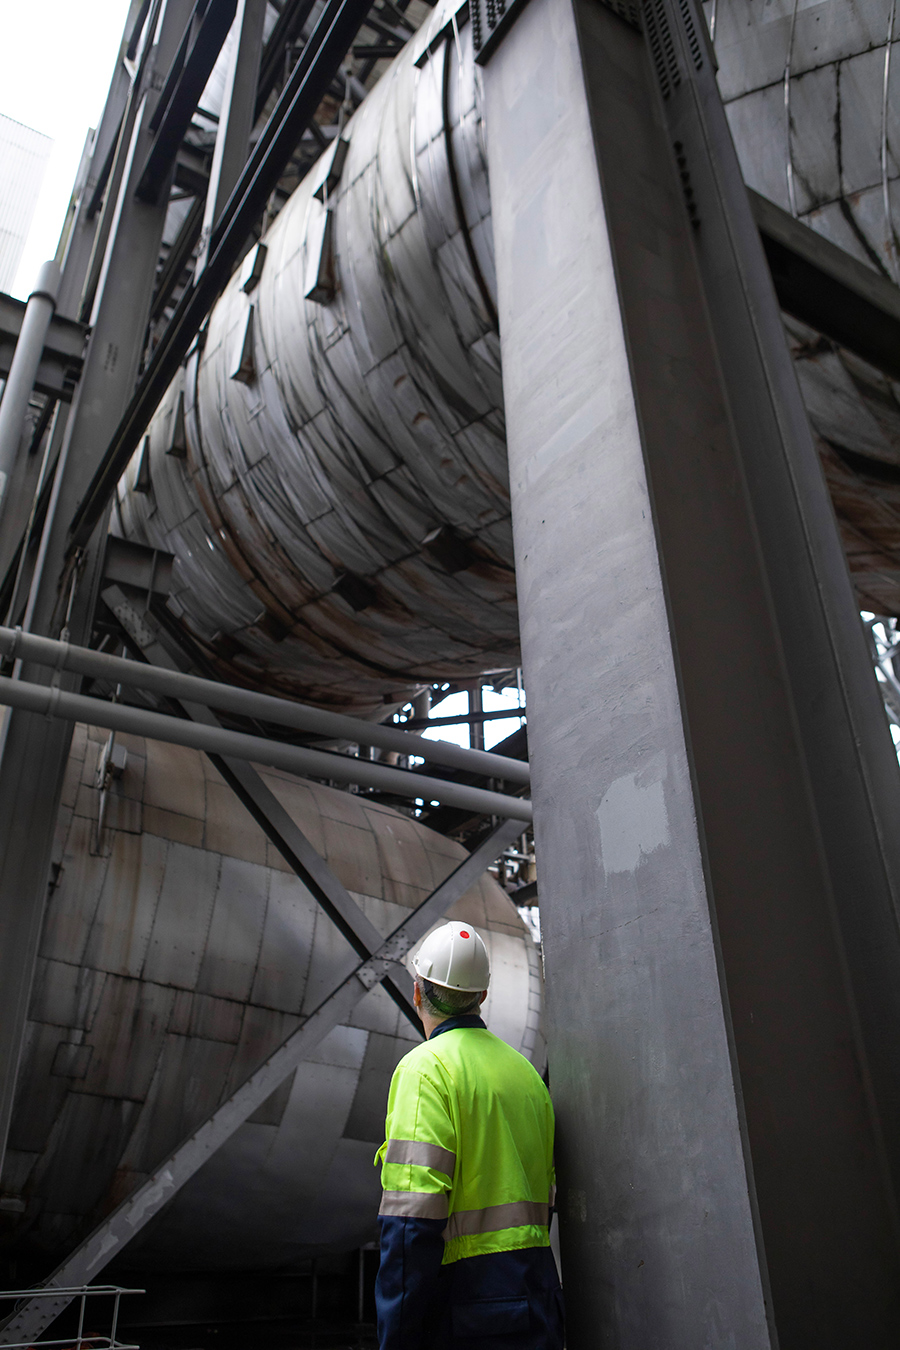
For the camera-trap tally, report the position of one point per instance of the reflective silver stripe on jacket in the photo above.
(416, 1204)
(553, 1195)
(421, 1155)
(466, 1222)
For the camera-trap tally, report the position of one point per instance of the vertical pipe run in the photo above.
(22, 372)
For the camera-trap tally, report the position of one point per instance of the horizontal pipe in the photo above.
(229, 698)
(54, 702)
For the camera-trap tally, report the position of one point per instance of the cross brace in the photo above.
(269, 814)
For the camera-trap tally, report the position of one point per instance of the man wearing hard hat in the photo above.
(467, 1171)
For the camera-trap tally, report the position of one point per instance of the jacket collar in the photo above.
(472, 1020)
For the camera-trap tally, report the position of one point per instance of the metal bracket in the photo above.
(392, 953)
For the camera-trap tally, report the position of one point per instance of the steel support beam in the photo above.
(104, 203)
(177, 259)
(61, 360)
(53, 704)
(198, 51)
(33, 750)
(719, 856)
(287, 33)
(77, 244)
(109, 1239)
(174, 683)
(826, 287)
(236, 117)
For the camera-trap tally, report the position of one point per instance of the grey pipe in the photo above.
(54, 702)
(24, 367)
(228, 698)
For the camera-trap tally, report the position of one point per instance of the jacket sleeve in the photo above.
(418, 1162)
(407, 1290)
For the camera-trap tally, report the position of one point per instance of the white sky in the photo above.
(56, 60)
(457, 705)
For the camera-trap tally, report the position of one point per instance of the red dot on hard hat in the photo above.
(463, 933)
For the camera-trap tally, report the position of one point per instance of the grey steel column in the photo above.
(78, 242)
(714, 790)
(22, 371)
(34, 750)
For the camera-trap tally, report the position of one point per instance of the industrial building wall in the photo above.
(23, 161)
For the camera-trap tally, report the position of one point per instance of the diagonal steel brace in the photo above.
(270, 815)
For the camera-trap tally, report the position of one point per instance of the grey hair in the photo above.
(439, 1001)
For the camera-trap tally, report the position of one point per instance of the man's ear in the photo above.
(483, 997)
(417, 994)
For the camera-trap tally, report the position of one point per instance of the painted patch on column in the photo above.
(633, 822)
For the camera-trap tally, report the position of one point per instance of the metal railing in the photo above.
(82, 1340)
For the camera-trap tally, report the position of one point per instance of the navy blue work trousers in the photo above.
(501, 1301)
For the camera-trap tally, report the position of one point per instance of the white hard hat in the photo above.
(454, 956)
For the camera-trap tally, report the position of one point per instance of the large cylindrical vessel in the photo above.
(330, 472)
(178, 952)
(341, 513)
(811, 97)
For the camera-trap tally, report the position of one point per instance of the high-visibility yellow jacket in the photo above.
(470, 1141)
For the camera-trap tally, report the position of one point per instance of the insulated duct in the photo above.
(330, 471)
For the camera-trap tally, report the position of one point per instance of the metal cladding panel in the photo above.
(80, 878)
(175, 780)
(67, 995)
(832, 401)
(811, 96)
(125, 1038)
(231, 954)
(261, 1030)
(331, 960)
(36, 1113)
(513, 979)
(131, 886)
(277, 1180)
(193, 963)
(213, 1019)
(189, 1073)
(366, 1118)
(283, 967)
(78, 1180)
(183, 915)
(855, 413)
(352, 1164)
(752, 39)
